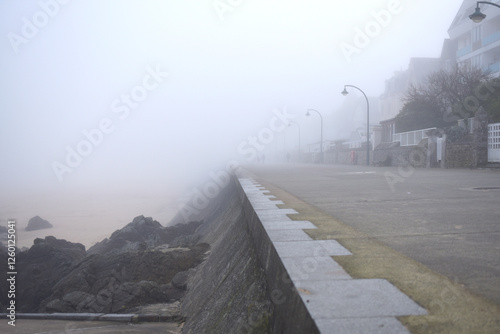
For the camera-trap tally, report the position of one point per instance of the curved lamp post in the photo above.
(321, 143)
(477, 17)
(290, 124)
(345, 92)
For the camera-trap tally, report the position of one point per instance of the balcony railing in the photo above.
(491, 38)
(411, 137)
(463, 51)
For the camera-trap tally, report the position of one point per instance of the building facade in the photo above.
(478, 44)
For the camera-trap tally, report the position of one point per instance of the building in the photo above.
(392, 100)
(478, 44)
(470, 44)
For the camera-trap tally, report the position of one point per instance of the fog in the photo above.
(112, 109)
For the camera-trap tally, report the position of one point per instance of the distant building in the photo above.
(392, 100)
(470, 44)
(478, 44)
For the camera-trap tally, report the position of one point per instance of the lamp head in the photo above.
(344, 92)
(477, 17)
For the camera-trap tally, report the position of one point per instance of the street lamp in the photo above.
(345, 92)
(477, 17)
(321, 143)
(290, 124)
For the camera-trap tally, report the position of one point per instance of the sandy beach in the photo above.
(82, 216)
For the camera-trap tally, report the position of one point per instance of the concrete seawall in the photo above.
(266, 275)
(243, 286)
(290, 313)
(228, 292)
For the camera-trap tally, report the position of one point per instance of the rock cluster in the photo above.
(140, 264)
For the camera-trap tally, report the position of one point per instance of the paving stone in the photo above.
(310, 248)
(287, 224)
(276, 211)
(251, 192)
(277, 214)
(260, 197)
(264, 200)
(288, 235)
(361, 326)
(265, 205)
(355, 298)
(313, 268)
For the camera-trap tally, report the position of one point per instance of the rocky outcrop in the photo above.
(37, 223)
(117, 283)
(41, 267)
(140, 234)
(140, 264)
(143, 233)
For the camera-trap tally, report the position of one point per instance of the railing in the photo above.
(491, 38)
(411, 137)
(463, 51)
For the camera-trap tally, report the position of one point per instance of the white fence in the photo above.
(411, 137)
(494, 142)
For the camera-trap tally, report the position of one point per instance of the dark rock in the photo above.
(176, 231)
(181, 278)
(41, 267)
(117, 282)
(142, 233)
(37, 223)
(185, 241)
(134, 267)
(145, 234)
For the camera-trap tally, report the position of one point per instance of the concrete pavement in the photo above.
(433, 233)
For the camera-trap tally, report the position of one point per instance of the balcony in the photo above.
(463, 51)
(491, 38)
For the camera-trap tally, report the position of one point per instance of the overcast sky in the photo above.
(111, 94)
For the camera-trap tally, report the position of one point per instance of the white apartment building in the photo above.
(478, 44)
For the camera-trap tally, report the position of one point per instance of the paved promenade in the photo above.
(433, 233)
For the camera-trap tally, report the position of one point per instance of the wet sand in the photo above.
(82, 216)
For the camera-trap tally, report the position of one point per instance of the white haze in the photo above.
(227, 72)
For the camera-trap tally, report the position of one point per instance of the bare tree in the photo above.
(447, 96)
